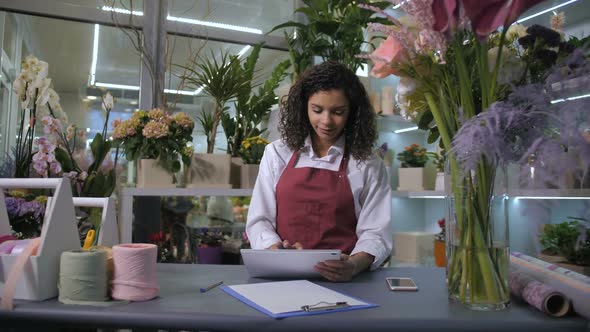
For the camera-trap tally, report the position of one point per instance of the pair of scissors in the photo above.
(89, 241)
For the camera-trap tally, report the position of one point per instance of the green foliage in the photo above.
(413, 156)
(334, 31)
(251, 108)
(438, 160)
(252, 149)
(562, 239)
(221, 79)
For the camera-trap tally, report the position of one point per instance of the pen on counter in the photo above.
(210, 287)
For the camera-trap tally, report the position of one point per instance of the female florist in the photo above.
(417, 165)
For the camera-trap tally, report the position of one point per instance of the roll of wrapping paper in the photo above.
(538, 294)
(553, 267)
(576, 290)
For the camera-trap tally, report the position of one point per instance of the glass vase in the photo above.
(478, 252)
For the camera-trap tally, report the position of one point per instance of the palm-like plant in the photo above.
(251, 108)
(221, 79)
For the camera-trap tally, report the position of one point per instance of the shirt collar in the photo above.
(336, 149)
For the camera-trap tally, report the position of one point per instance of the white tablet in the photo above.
(286, 263)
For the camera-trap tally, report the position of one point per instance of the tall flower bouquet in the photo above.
(453, 66)
(156, 134)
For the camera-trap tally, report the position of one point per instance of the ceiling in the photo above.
(67, 45)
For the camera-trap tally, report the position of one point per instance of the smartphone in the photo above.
(401, 284)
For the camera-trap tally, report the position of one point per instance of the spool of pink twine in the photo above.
(4, 238)
(135, 276)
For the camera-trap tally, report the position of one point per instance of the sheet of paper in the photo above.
(288, 296)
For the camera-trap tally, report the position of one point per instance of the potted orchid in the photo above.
(456, 66)
(159, 142)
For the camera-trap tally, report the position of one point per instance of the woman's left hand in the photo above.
(338, 271)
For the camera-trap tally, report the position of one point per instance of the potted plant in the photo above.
(333, 31)
(439, 161)
(209, 247)
(411, 172)
(567, 244)
(159, 142)
(222, 80)
(440, 258)
(251, 109)
(251, 152)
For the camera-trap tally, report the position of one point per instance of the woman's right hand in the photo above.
(286, 245)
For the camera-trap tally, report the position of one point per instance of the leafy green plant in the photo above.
(413, 156)
(438, 159)
(334, 31)
(252, 149)
(564, 239)
(251, 108)
(221, 79)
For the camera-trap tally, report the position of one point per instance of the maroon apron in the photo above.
(315, 207)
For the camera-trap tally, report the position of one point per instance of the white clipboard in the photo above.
(283, 299)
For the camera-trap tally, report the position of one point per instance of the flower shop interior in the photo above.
(214, 70)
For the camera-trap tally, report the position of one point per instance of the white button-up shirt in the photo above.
(369, 184)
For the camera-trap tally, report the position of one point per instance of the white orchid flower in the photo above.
(108, 102)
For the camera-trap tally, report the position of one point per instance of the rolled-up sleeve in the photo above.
(374, 230)
(261, 223)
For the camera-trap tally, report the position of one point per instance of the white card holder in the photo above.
(59, 233)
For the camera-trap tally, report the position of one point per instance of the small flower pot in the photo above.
(249, 175)
(411, 179)
(440, 256)
(152, 175)
(209, 255)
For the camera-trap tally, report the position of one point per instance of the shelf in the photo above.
(550, 193)
(185, 192)
(573, 194)
(393, 118)
(418, 194)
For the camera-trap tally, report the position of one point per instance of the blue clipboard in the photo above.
(254, 296)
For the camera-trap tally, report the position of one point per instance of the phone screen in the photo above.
(401, 284)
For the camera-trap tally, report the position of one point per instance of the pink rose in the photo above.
(387, 57)
(444, 14)
(487, 15)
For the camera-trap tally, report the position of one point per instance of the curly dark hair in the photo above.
(360, 131)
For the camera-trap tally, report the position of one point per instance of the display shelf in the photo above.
(574, 194)
(394, 118)
(185, 192)
(128, 194)
(418, 194)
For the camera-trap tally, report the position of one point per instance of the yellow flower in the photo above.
(17, 193)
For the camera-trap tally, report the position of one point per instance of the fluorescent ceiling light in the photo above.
(551, 197)
(188, 20)
(91, 97)
(121, 10)
(546, 11)
(117, 86)
(214, 24)
(569, 98)
(426, 196)
(181, 92)
(94, 55)
(243, 51)
(405, 130)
